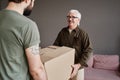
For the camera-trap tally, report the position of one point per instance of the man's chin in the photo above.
(70, 24)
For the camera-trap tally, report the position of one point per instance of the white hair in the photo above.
(78, 14)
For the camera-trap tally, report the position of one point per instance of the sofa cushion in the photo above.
(100, 74)
(110, 62)
(90, 61)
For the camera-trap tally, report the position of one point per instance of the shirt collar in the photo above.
(76, 29)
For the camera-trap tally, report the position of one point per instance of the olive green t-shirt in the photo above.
(17, 33)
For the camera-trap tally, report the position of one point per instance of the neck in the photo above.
(72, 27)
(15, 7)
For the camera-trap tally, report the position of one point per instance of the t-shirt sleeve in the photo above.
(30, 35)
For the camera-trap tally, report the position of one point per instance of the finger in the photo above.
(73, 74)
(72, 66)
(69, 79)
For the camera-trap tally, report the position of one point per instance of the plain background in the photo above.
(100, 19)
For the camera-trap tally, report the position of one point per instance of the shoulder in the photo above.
(64, 29)
(21, 19)
(82, 31)
(27, 20)
(27, 23)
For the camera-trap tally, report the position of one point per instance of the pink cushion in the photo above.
(100, 74)
(90, 61)
(110, 62)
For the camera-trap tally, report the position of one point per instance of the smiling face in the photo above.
(73, 20)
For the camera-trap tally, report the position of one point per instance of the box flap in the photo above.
(51, 52)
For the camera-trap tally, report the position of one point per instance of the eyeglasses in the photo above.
(73, 17)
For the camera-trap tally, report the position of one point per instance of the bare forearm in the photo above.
(36, 67)
(39, 74)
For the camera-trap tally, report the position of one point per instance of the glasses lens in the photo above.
(73, 17)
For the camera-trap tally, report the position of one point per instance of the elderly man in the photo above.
(19, 43)
(74, 37)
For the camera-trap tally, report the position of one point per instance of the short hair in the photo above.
(16, 1)
(78, 14)
(75, 11)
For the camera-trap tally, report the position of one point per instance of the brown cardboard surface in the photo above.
(57, 62)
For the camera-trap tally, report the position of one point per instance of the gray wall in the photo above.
(100, 19)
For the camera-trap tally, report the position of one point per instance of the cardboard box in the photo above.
(57, 62)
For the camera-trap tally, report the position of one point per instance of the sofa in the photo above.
(103, 67)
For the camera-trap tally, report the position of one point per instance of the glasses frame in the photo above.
(73, 17)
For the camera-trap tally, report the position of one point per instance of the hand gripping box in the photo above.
(57, 62)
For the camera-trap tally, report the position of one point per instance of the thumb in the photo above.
(73, 66)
